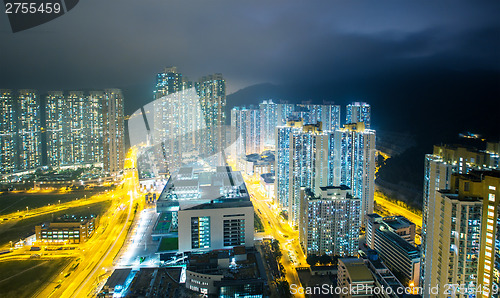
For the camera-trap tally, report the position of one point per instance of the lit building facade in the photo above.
(358, 112)
(113, 130)
(29, 130)
(465, 240)
(283, 134)
(54, 125)
(439, 167)
(354, 163)
(216, 225)
(269, 121)
(393, 238)
(72, 231)
(246, 131)
(8, 133)
(329, 222)
(212, 92)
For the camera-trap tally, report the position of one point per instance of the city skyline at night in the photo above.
(250, 149)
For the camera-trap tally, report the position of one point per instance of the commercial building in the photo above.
(353, 274)
(358, 112)
(209, 210)
(329, 222)
(399, 255)
(462, 238)
(67, 230)
(397, 224)
(216, 225)
(393, 238)
(384, 278)
(439, 167)
(237, 272)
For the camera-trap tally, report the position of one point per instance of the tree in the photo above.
(325, 259)
(312, 260)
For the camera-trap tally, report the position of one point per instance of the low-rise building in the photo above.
(267, 184)
(399, 255)
(237, 272)
(68, 229)
(216, 225)
(393, 238)
(354, 278)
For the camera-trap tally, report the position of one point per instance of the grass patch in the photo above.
(257, 223)
(11, 202)
(25, 278)
(170, 243)
(26, 227)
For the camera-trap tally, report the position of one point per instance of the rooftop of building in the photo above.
(263, 158)
(330, 193)
(397, 222)
(206, 185)
(225, 263)
(68, 221)
(397, 241)
(118, 277)
(357, 270)
(222, 203)
(374, 216)
(268, 177)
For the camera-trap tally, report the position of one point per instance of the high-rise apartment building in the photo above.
(282, 168)
(8, 134)
(310, 157)
(76, 144)
(55, 128)
(212, 92)
(269, 121)
(439, 167)
(461, 238)
(29, 130)
(354, 163)
(246, 131)
(332, 117)
(113, 130)
(74, 131)
(358, 112)
(94, 127)
(329, 222)
(187, 119)
(284, 111)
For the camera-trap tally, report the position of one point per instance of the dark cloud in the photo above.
(124, 43)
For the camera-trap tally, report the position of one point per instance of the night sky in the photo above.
(396, 55)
